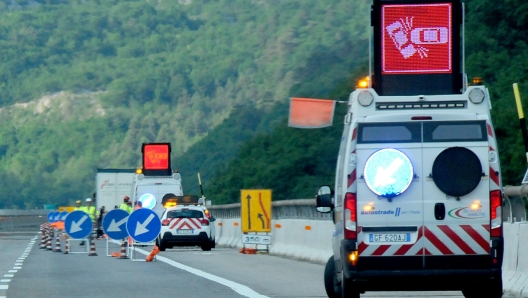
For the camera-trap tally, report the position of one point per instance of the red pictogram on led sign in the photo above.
(156, 157)
(416, 38)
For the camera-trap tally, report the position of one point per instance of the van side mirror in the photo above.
(212, 219)
(323, 200)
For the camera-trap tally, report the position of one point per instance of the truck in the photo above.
(112, 185)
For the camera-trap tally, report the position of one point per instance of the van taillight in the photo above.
(350, 210)
(165, 222)
(496, 213)
(204, 222)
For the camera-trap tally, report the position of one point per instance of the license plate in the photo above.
(390, 237)
(184, 231)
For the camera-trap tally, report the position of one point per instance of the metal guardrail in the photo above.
(16, 212)
(288, 209)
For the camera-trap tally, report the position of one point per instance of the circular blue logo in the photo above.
(388, 172)
(148, 201)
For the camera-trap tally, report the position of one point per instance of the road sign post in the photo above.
(255, 213)
(78, 225)
(114, 224)
(255, 210)
(52, 216)
(143, 225)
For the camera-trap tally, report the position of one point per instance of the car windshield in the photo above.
(185, 214)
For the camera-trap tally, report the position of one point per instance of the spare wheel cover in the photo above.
(457, 171)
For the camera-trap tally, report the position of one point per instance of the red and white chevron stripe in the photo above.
(185, 223)
(437, 240)
(351, 186)
(494, 167)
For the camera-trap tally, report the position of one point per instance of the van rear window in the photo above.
(455, 131)
(401, 132)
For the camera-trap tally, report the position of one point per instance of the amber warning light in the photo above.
(156, 156)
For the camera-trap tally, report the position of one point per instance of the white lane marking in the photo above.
(18, 264)
(12, 271)
(18, 267)
(5, 280)
(4, 287)
(9, 275)
(239, 288)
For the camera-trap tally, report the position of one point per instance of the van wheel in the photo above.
(213, 243)
(347, 289)
(332, 285)
(489, 288)
(206, 247)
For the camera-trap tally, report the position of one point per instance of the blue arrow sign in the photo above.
(148, 201)
(388, 172)
(51, 216)
(63, 215)
(78, 224)
(114, 224)
(143, 225)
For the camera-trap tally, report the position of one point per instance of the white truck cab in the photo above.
(418, 196)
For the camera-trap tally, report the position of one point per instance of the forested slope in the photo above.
(496, 50)
(84, 83)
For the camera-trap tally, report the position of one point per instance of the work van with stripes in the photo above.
(417, 197)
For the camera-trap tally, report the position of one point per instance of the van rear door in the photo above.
(390, 214)
(456, 195)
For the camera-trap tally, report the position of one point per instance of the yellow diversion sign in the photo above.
(66, 208)
(255, 210)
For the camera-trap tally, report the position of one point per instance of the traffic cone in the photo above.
(43, 239)
(123, 250)
(57, 242)
(92, 248)
(152, 254)
(48, 241)
(67, 246)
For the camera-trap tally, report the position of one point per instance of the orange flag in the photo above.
(311, 113)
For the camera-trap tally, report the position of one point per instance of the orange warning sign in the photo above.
(311, 113)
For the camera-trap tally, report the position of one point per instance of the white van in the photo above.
(418, 196)
(154, 191)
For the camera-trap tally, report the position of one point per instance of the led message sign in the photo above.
(417, 47)
(156, 156)
(416, 38)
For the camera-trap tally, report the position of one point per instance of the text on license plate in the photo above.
(184, 231)
(392, 237)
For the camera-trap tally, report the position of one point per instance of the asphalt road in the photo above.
(183, 272)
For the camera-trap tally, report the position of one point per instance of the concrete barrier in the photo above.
(304, 239)
(518, 284)
(509, 265)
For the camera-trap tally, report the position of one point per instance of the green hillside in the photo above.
(84, 83)
(294, 163)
